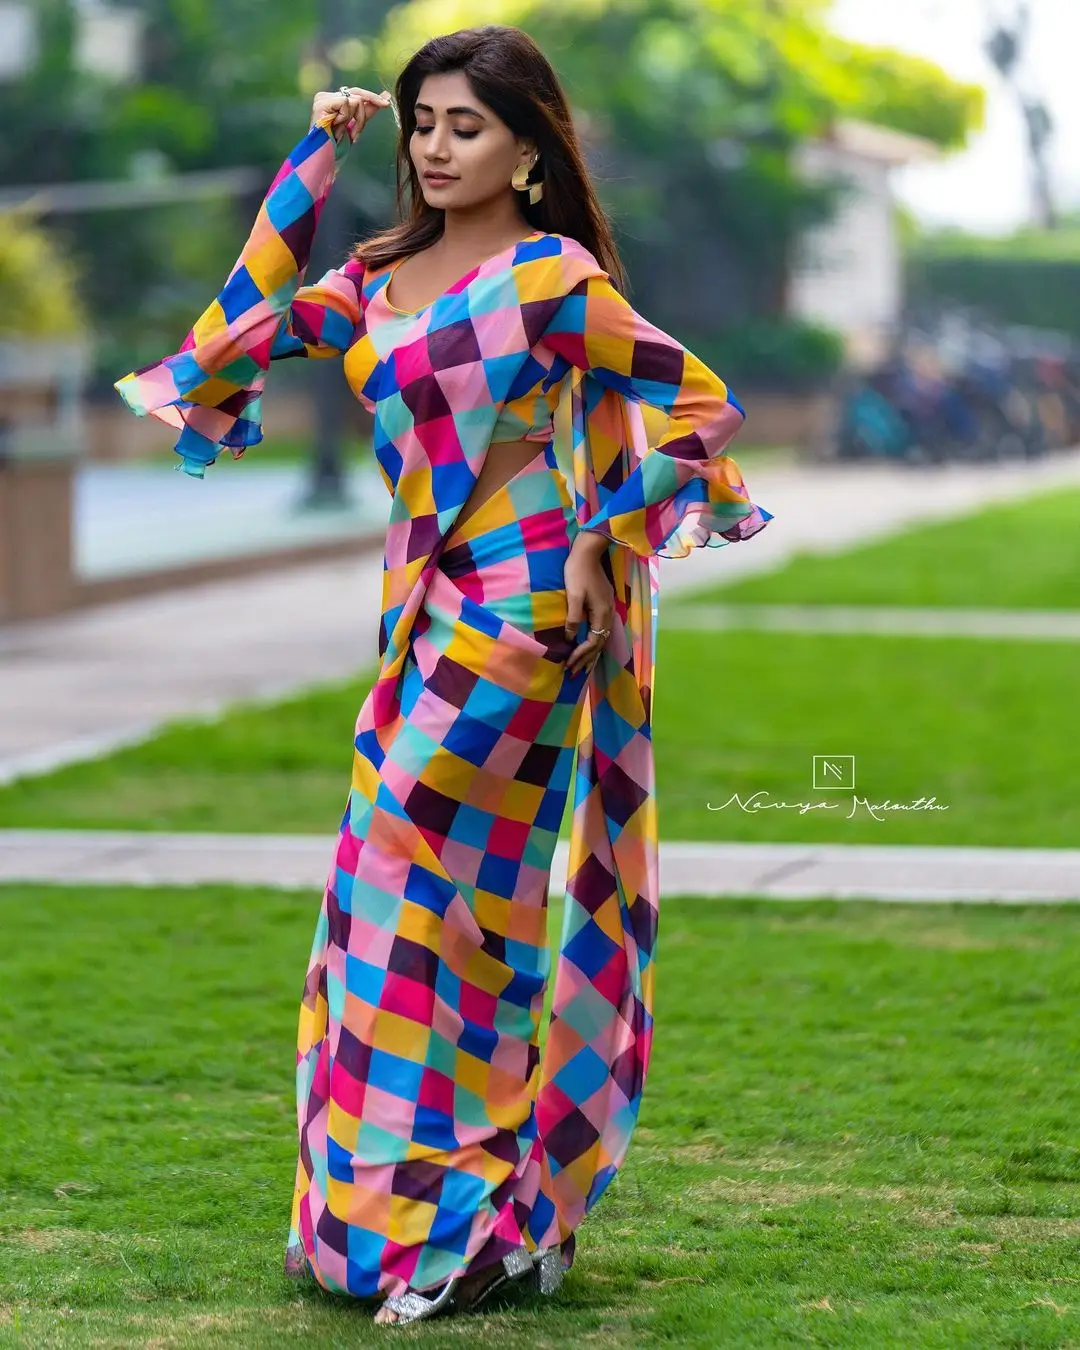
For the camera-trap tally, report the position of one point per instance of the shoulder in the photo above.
(566, 246)
(560, 264)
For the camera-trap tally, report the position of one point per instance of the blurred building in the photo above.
(109, 41)
(849, 274)
(18, 38)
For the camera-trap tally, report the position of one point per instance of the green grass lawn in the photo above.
(859, 1130)
(764, 456)
(1019, 556)
(297, 450)
(980, 725)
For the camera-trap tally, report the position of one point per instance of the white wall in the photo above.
(18, 38)
(849, 273)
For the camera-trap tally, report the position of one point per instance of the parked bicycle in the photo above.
(955, 387)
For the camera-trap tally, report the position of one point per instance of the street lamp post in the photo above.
(326, 479)
(1005, 47)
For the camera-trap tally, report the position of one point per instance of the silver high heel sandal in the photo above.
(412, 1307)
(548, 1270)
(545, 1267)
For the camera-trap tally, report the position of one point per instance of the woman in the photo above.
(440, 1154)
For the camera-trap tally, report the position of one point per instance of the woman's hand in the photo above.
(588, 596)
(360, 105)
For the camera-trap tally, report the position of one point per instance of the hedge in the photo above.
(1032, 291)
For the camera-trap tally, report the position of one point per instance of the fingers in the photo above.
(585, 654)
(575, 611)
(365, 104)
(599, 607)
(349, 111)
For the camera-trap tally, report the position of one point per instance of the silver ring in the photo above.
(601, 632)
(345, 90)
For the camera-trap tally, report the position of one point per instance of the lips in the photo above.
(439, 178)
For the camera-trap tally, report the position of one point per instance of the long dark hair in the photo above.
(508, 72)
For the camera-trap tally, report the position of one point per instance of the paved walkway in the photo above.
(1049, 625)
(84, 683)
(774, 871)
(131, 518)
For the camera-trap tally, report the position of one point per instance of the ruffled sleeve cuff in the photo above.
(211, 389)
(665, 509)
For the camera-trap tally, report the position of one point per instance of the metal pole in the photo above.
(326, 479)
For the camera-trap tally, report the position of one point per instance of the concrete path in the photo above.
(79, 685)
(775, 871)
(1049, 625)
(131, 518)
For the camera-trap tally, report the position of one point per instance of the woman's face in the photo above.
(458, 135)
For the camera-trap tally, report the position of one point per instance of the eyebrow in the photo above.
(471, 112)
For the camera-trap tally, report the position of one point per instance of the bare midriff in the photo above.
(504, 459)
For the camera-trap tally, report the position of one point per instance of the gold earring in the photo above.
(521, 173)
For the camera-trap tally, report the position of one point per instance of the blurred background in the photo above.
(865, 216)
(862, 215)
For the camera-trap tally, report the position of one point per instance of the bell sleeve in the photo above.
(685, 491)
(211, 389)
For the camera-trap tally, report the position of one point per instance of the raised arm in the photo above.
(211, 389)
(686, 491)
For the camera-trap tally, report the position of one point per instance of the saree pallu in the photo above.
(419, 1062)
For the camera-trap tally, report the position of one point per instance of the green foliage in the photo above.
(220, 88)
(1030, 277)
(177, 258)
(907, 93)
(1027, 244)
(773, 354)
(909, 229)
(698, 106)
(38, 283)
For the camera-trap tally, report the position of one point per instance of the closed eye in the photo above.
(465, 135)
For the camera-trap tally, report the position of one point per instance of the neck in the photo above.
(467, 234)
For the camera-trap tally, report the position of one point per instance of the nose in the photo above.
(435, 146)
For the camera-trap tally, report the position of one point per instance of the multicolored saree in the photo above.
(434, 1136)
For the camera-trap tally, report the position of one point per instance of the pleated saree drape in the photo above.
(432, 1133)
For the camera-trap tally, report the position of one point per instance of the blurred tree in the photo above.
(219, 84)
(1005, 47)
(691, 109)
(337, 48)
(38, 284)
(908, 93)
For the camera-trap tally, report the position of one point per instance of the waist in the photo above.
(527, 492)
